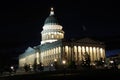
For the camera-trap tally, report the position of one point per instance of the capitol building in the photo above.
(54, 47)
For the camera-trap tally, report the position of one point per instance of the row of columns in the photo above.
(50, 55)
(52, 36)
(77, 53)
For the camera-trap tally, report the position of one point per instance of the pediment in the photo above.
(87, 40)
(29, 49)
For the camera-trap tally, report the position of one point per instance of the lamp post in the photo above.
(64, 62)
(55, 63)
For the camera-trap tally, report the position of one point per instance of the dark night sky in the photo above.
(22, 22)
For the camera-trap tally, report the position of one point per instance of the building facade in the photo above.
(30, 57)
(54, 47)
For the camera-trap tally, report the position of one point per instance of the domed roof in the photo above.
(51, 20)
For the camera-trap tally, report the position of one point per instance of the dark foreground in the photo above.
(67, 75)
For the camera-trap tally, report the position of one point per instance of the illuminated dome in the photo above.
(51, 20)
(52, 31)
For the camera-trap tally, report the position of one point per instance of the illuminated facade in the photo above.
(30, 56)
(54, 47)
(72, 51)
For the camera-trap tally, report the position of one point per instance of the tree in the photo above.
(40, 66)
(86, 61)
(72, 65)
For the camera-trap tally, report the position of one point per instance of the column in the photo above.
(91, 54)
(75, 53)
(104, 53)
(79, 51)
(97, 53)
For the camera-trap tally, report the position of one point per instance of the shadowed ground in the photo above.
(65, 75)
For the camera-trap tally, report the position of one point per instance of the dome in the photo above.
(51, 20)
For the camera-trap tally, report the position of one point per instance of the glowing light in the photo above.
(48, 41)
(103, 61)
(12, 67)
(52, 11)
(51, 65)
(64, 62)
(111, 61)
(55, 60)
(51, 8)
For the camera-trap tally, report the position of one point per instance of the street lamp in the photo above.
(111, 62)
(55, 63)
(64, 62)
(55, 60)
